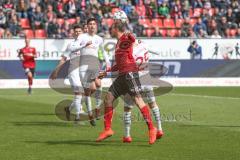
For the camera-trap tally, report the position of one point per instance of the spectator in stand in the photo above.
(50, 14)
(106, 9)
(8, 6)
(52, 28)
(197, 4)
(202, 34)
(7, 34)
(14, 26)
(238, 33)
(211, 26)
(222, 26)
(199, 25)
(185, 28)
(231, 18)
(218, 15)
(127, 7)
(215, 34)
(138, 30)
(141, 10)
(176, 12)
(38, 19)
(61, 33)
(185, 8)
(22, 9)
(85, 28)
(163, 10)
(3, 19)
(71, 8)
(154, 8)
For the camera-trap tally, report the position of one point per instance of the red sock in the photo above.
(30, 81)
(147, 117)
(108, 117)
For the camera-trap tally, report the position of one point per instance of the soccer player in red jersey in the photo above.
(126, 82)
(27, 55)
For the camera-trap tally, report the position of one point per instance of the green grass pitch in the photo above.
(199, 124)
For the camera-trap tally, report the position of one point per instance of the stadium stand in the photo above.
(166, 18)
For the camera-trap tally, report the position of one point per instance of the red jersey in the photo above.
(28, 54)
(124, 59)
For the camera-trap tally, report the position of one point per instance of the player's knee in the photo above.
(127, 109)
(108, 100)
(139, 101)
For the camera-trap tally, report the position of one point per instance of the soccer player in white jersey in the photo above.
(73, 53)
(141, 55)
(89, 65)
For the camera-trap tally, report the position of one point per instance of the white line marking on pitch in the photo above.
(202, 96)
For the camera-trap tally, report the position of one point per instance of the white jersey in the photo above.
(90, 51)
(73, 54)
(141, 56)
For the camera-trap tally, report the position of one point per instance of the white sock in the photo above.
(76, 104)
(98, 95)
(89, 104)
(156, 114)
(127, 123)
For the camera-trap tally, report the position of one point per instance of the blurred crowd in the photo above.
(195, 18)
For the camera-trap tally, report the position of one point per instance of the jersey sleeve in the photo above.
(80, 44)
(66, 52)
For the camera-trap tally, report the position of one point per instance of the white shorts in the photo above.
(88, 75)
(148, 97)
(74, 80)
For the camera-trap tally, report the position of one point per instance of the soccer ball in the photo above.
(120, 16)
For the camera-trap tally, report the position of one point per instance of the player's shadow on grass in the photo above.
(93, 143)
(210, 125)
(38, 114)
(53, 124)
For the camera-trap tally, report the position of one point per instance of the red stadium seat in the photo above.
(168, 23)
(179, 23)
(28, 33)
(149, 32)
(108, 21)
(157, 22)
(193, 21)
(65, 1)
(24, 23)
(40, 33)
(115, 9)
(197, 12)
(143, 21)
(1, 33)
(163, 32)
(60, 21)
(71, 21)
(233, 32)
(173, 33)
(190, 13)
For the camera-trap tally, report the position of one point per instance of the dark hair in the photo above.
(194, 42)
(77, 26)
(91, 19)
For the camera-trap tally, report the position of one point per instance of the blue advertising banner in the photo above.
(12, 69)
